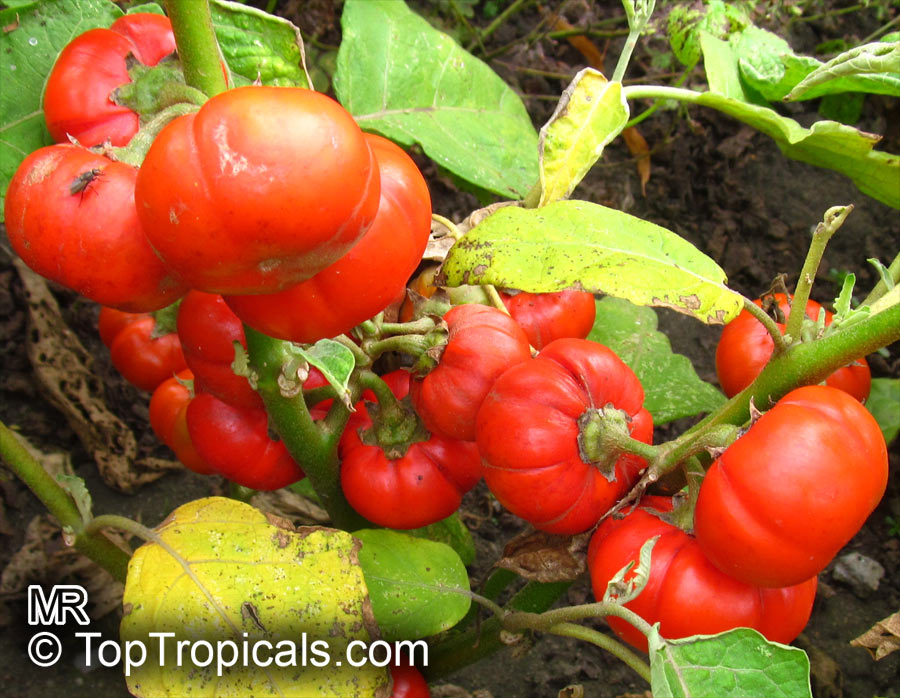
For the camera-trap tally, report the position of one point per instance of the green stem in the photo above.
(96, 547)
(763, 317)
(881, 287)
(564, 619)
(413, 345)
(834, 218)
(481, 640)
(420, 326)
(661, 92)
(498, 21)
(807, 364)
(198, 49)
(636, 23)
(312, 445)
(452, 230)
(615, 648)
(136, 150)
(649, 111)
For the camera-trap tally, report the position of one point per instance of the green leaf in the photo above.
(335, 361)
(413, 84)
(257, 45)
(590, 114)
(147, 7)
(827, 144)
(768, 64)
(222, 571)
(417, 587)
(453, 532)
(672, 389)
(884, 404)
(739, 663)
(874, 68)
(721, 66)
(845, 108)
(27, 53)
(576, 244)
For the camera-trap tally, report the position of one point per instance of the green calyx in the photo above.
(395, 427)
(604, 436)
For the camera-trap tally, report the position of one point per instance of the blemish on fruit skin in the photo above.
(268, 265)
(43, 168)
(230, 162)
(173, 217)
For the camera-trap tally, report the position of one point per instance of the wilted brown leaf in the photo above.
(542, 557)
(881, 639)
(63, 368)
(291, 506)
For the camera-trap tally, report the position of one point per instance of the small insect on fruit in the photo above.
(80, 184)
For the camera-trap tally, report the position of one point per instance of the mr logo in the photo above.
(64, 599)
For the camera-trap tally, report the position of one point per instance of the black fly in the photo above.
(80, 184)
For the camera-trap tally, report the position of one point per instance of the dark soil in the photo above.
(724, 187)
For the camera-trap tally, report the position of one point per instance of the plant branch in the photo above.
(834, 218)
(195, 39)
(615, 648)
(312, 445)
(97, 547)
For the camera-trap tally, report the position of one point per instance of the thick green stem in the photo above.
(198, 49)
(807, 364)
(95, 546)
(834, 218)
(770, 325)
(312, 445)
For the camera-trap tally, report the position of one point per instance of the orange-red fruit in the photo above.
(780, 503)
(686, 594)
(745, 347)
(260, 190)
(70, 216)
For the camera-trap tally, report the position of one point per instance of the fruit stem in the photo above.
(195, 39)
(604, 437)
(763, 317)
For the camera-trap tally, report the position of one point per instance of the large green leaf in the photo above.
(576, 244)
(826, 144)
(418, 587)
(672, 388)
(771, 67)
(739, 663)
(589, 115)
(27, 53)
(413, 84)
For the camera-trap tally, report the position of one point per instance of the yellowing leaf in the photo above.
(589, 115)
(225, 579)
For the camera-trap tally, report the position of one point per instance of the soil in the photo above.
(724, 187)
